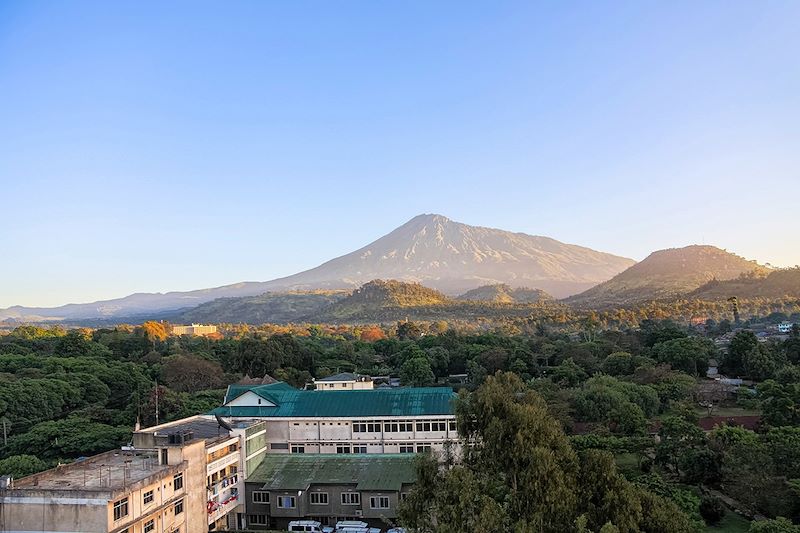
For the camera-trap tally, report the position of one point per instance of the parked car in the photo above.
(310, 526)
(397, 530)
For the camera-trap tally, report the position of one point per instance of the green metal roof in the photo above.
(291, 402)
(371, 472)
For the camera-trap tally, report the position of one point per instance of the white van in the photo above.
(355, 526)
(309, 526)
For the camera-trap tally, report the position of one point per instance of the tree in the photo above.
(779, 525)
(712, 509)
(743, 343)
(689, 354)
(191, 374)
(18, 466)
(417, 372)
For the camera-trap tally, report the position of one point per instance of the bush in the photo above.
(712, 509)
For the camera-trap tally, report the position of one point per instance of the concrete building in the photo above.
(401, 420)
(344, 381)
(328, 488)
(114, 492)
(194, 329)
(229, 453)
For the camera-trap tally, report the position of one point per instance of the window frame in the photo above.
(120, 506)
(177, 481)
(148, 497)
(380, 500)
(292, 499)
(353, 497)
(260, 493)
(178, 507)
(320, 497)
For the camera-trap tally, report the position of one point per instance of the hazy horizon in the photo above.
(156, 148)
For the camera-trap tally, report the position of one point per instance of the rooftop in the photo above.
(345, 376)
(366, 471)
(108, 471)
(199, 427)
(286, 401)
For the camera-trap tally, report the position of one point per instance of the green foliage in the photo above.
(688, 354)
(779, 525)
(712, 509)
(18, 466)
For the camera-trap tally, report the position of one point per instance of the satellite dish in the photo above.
(222, 423)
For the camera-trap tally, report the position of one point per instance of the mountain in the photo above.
(429, 249)
(777, 284)
(270, 307)
(454, 257)
(502, 293)
(666, 274)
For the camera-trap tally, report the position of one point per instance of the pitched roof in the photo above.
(343, 376)
(291, 402)
(377, 472)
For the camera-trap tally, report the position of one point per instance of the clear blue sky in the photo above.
(153, 146)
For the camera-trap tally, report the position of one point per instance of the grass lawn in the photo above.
(731, 523)
(627, 463)
(727, 411)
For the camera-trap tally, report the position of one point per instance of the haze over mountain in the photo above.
(667, 274)
(429, 249)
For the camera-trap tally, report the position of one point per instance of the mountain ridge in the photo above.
(431, 249)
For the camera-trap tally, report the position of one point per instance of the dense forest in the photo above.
(631, 398)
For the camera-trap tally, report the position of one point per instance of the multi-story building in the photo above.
(392, 420)
(194, 329)
(344, 381)
(133, 491)
(327, 488)
(230, 452)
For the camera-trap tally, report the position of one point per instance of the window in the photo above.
(438, 426)
(318, 498)
(423, 426)
(286, 502)
(120, 508)
(379, 502)
(279, 446)
(405, 426)
(351, 498)
(452, 425)
(298, 449)
(423, 448)
(149, 526)
(257, 519)
(359, 427)
(403, 496)
(390, 427)
(407, 448)
(342, 448)
(147, 497)
(178, 508)
(374, 427)
(260, 496)
(177, 481)
(359, 449)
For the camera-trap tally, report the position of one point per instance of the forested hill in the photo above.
(777, 284)
(503, 293)
(278, 308)
(666, 274)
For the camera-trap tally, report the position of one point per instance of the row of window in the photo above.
(404, 447)
(321, 498)
(150, 525)
(402, 426)
(121, 506)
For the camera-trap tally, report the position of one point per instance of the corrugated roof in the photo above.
(344, 376)
(373, 472)
(291, 402)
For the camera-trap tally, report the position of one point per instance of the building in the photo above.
(785, 327)
(344, 381)
(328, 488)
(230, 452)
(391, 420)
(194, 329)
(135, 491)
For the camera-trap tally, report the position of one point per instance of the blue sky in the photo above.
(153, 146)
